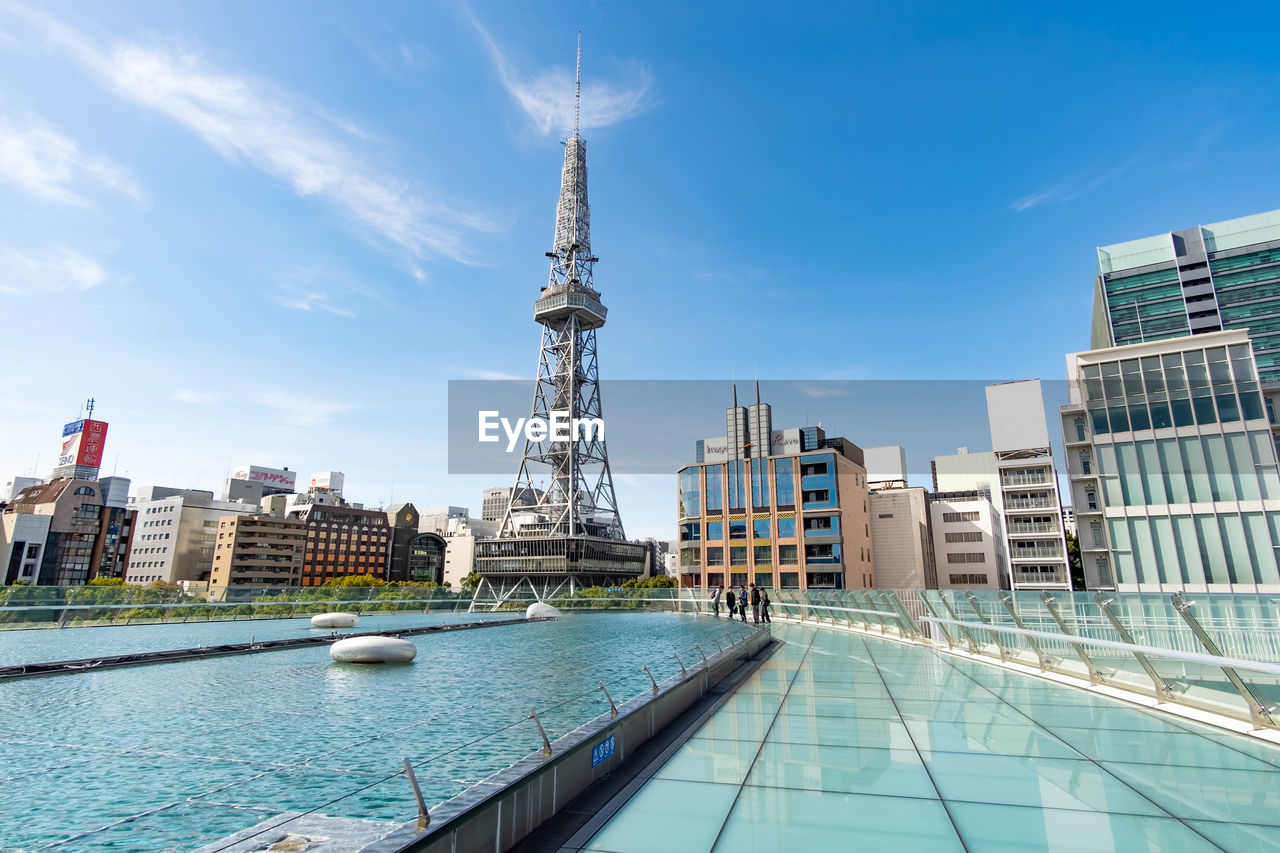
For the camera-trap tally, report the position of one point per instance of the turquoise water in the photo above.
(843, 742)
(50, 644)
(172, 756)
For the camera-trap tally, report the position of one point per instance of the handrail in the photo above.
(1173, 654)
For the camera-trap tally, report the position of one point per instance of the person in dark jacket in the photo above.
(729, 601)
(715, 600)
(755, 605)
(742, 603)
(764, 605)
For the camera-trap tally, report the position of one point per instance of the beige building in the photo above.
(902, 539)
(257, 551)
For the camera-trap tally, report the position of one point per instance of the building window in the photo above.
(784, 486)
(951, 517)
(691, 531)
(967, 557)
(690, 494)
(714, 491)
(968, 580)
(763, 555)
(715, 556)
(737, 529)
(715, 530)
(786, 528)
(965, 536)
(738, 556)
(789, 580)
(788, 555)
(760, 528)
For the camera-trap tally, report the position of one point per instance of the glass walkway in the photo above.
(843, 740)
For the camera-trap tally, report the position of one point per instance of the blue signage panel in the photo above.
(602, 750)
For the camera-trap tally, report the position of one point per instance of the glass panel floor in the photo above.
(843, 741)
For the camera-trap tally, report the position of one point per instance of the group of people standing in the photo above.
(737, 603)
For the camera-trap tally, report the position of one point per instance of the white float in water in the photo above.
(334, 620)
(541, 610)
(373, 650)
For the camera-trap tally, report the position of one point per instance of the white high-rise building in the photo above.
(175, 534)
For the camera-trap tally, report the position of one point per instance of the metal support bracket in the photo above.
(546, 744)
(1261, 715)
(613, 709)
(968, 638)
(1007, 600)
(683, 672)
(1095, 677)
(651, 678)
(424, 817)
(982, 617)
(1162, 690)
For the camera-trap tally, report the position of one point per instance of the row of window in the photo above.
(1204, 410)
(967, 580)
(967, 557)
(1191, 469)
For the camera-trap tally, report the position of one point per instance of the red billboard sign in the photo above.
(83, 442)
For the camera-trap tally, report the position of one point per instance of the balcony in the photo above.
(1032, 528)
(1028, 478)
(1026, 579)
(557, 307)
(1030, 503)
(1038, 553)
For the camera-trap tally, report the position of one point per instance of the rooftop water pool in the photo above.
(174, 756)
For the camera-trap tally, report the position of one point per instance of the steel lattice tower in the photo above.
(571, 531)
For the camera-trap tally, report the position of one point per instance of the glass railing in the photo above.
(1218, 653)
(1036, 553)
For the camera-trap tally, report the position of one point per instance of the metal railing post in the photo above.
(1261, 715)
(1007, 600)
(1162, 689)
(943, 629)
(683, 672)
(424, 817)
(701, 652)
(613, 709)
(1052, 606)
(968, 638)
(995, 636)
(651, 678)
(546, 744)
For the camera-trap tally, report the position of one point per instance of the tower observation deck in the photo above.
(572, 536)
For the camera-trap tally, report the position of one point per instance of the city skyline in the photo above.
(316, 196)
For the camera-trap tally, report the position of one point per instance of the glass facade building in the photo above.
(1173, 467)
(1220, 276)
(790, 520)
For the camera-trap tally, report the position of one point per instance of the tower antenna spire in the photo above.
(577, 87)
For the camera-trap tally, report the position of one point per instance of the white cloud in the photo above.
(311, 301)
(187, 396)
(481, 373)
(251, 122)
(36, 157)
(546, 97)
(57, 270)
(300, 411)
(1071, 188)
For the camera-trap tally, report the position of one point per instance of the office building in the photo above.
(416, 556)
(343, 540)
(176, 533)
(1021, 478)
(1203, 279)
(1173, 471)
(16, 485)
(901, 532)
(968, 541)
(256, 552)
(784, 509)
(494, 502)
(82, 538)
(435, 519)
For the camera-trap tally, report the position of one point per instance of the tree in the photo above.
(107, 582)
(1075, 566)
(470, 582)
(355, 580)
(655, 582)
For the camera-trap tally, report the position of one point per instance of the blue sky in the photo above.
(271, 233)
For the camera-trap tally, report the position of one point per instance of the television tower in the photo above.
(571, 532)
